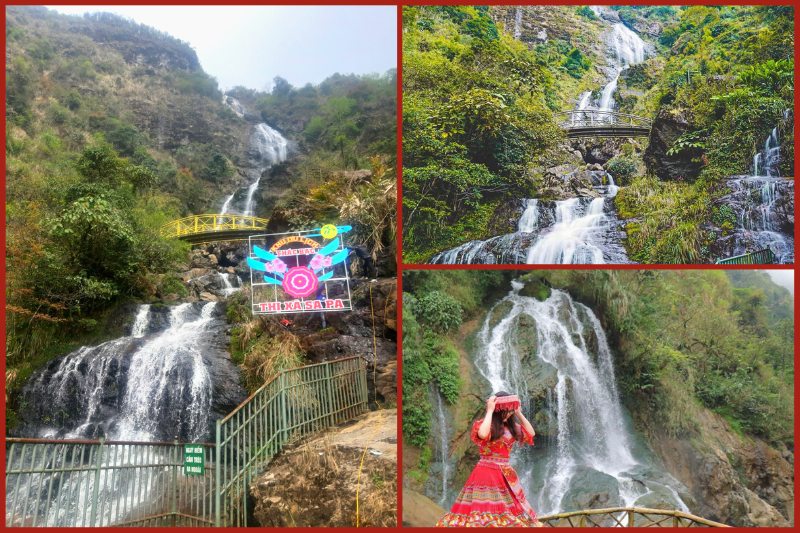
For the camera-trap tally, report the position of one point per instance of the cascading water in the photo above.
(443, 431)
(625, 49)
(576, 230)
(591, 456)
(147, 386)
(517, 23)
(267, 148)
(764, 206)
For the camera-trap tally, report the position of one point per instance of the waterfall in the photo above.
(577, 230)
(443, 434)
(625, 49)
(517, 22)
(229, 287)
(141, 321)
(234, 105)
(147, 386)
(595, 450)
(267, 148)
(765, 162)
(763, 204)
(570, 241)
(528, 220)
(168, 373)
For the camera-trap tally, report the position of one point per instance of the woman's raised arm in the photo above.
(485, 428)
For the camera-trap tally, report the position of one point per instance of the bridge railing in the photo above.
(588, 118)
(295, 403)
(104, 483)
(88, 483)
(761, 257)
(627, 517)
(210, 223)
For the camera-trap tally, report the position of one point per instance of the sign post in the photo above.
(300, 271)
(194, 463)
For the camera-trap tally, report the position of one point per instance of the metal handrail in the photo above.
(293, 404)
(760, 257)
(143, 483)
(599, 118)
(210, 223)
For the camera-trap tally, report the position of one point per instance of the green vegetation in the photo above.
(113, 130)
(93, 173)
(728, 72)
(683, 341)
(477, 114)
(478, 130)
(347, 136)
(586, 11)
(433, 310)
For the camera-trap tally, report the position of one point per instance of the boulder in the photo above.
(734, 480)
(667, 127)
(591, 489)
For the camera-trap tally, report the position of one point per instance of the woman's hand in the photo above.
(490, 404)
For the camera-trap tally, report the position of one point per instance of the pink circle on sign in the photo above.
(300, 282)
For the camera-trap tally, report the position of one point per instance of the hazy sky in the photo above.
(784, 278)
(250, 45)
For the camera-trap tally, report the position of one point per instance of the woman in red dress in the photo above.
(493, 496)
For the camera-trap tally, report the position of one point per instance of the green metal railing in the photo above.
(295, 403)
(761, 257)
(105, 483)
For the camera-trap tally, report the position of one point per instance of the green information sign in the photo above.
(194, 463)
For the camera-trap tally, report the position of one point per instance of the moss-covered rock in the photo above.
(536, 289)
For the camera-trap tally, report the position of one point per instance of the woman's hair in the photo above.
(498, 424)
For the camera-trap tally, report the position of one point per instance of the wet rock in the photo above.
(208, 297)
(598, 151)
(667, 127)
(591, 489)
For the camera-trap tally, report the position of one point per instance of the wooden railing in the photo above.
(627, 517)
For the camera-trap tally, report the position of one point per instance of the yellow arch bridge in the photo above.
(198, 229)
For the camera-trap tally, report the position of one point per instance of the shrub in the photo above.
(439, 310)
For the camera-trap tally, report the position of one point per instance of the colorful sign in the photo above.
(298, 272)
(194, 463)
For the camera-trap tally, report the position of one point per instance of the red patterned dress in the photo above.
(492, 496)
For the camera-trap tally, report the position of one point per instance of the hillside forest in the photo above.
(113, 129)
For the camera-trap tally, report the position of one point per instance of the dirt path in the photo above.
(318, 481)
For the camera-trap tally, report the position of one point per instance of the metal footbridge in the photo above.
(594, 123)
(198, 229)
